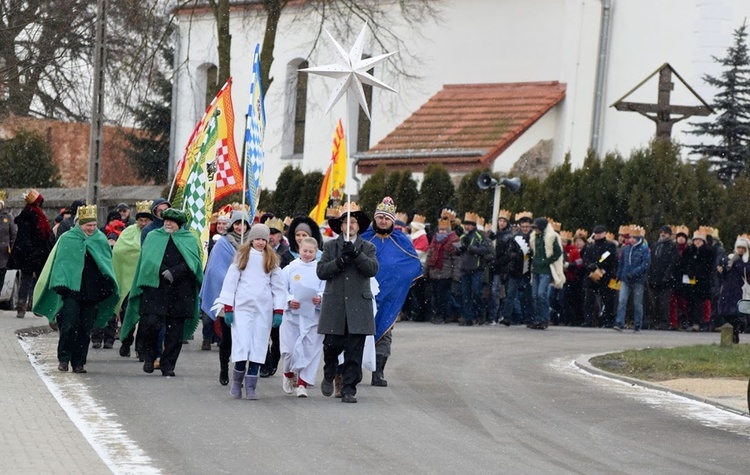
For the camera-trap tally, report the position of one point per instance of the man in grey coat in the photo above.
(346, 315)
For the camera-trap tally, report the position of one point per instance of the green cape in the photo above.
(147, 274)
(125, 258)
(64, 268)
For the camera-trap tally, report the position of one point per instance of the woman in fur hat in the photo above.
(735, 271)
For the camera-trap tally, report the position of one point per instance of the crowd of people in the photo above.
(290, 292)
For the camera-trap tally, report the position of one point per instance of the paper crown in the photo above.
(444, 223)
(2, 195)
(566, 235)
(225, 213)
(471, 217)
(86, 213)
(524, 215)
(581, 233)
(448, 214)
(480, 222)
(275, 223)
(287, 221)
(30, 195)
(332, 213)
(744, 236)
(386, 207)
(239, 206)
(348, 207)
(403, 217)
(143, 206)
(709, 231)
(418, 218)
(504, 213)
(635, 230)
(680, 229)
(555, 225)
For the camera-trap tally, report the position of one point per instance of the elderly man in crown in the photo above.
(399, 268)
(77, 286)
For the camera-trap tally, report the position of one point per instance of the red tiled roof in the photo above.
(464, 126)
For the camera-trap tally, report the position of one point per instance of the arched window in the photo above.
(300, 109)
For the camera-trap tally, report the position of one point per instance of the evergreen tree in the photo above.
(729, 151)
(373, 191)
(735, 220)
(474, 199)
(148, 153)
(26, 161)
(437, 191)
(309, 193)
(406, 193)
(289, 187)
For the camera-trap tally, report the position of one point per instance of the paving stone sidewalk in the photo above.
(36, 435)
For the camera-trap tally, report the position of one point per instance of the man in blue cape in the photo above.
(399, 267)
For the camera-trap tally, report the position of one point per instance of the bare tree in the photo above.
(46, 55)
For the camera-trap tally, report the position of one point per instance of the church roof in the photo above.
(464, 126)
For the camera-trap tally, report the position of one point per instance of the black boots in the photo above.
(377, 375)
(224, 372)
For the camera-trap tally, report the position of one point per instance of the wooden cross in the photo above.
(662, 112)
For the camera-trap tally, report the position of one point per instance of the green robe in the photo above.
(64, 268)
(147, 274)
(125, 259)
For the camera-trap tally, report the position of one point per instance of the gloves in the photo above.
(276, 319)
(350, 250)
(344, 261)
(491, 235)
(167, 274)
(229, 318)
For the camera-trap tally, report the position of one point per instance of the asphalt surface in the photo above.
(460, 400)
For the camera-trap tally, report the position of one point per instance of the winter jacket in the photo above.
(698, 263)
(519, 256)
(7, 237)
(600, 254)
(735, 271)
(574, 269)
(664, 263)
(475, 247)
(500, 263)
(634, 263)
(441, 257)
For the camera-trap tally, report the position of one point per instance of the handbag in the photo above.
(745, 287)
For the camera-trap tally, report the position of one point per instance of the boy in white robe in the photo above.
(301, 345)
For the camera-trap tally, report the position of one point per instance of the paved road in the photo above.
(460, 400)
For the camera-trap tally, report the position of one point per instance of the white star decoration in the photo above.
(351, 71)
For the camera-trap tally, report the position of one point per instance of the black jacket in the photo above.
(176, 299)
(593, 258)
(664, 263)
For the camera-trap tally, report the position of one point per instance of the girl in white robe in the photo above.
(301, 345)
(253, 297)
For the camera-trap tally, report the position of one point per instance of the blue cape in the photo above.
(219, 260)
(399, 266)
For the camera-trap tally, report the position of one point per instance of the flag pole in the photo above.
(244, 175)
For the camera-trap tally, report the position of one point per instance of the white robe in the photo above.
(254, 296)
(301, 345)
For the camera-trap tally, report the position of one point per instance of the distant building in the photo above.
(549, 70)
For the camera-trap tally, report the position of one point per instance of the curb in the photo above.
(33, 331)
(582, 362)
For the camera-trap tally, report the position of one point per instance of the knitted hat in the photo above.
(122, 207)
(304, 227)
(238, 215)
(540, 224)
(259, 231)
(386, 208)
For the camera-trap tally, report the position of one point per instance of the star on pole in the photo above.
(351, 71)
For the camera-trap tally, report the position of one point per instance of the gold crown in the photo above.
(30, 195)
(555, 225)
(709, 231)
(448, 214)
(143, 206)
(275, 223)
(387, 206)
(348, 207)
(581, 233)
(566, 235)
(524, 214)
(471, 217)
(332, 213)
(504, 213)
(444, 223)
(2, 195)
(287, 221)
(744, 236)
(403, 217)
(680, 229)
(87, 212)
(480, 222)
(239, 206)
(635, 230)
(224, 213)
(418, 218)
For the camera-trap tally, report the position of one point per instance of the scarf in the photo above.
(64, 268)
(42, 223)
(440, 246)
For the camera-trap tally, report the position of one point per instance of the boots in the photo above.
(224, 373)
(251, 381)
(21, 310)
(338, 385)
(236, 390)
(377, 375)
